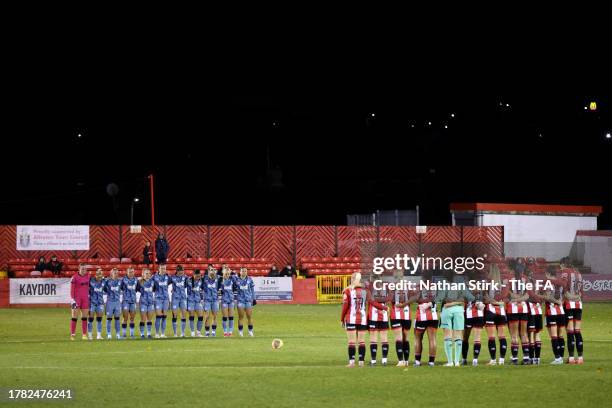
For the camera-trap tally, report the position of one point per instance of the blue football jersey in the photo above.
(211, 288)
(179, 287)
(146, 288)
(161, 286)
(96, 291)
(227, 290)
(129, 288)
(245, 289)
(113, 290)
(194, 289)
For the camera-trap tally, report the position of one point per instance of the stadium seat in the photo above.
(35, 274)
(126, 260)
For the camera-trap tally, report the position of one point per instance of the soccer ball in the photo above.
(276, 344)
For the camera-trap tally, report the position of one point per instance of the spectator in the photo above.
(54, 265)
(519, 266)
(288, 271)
(147, 252)
(162, 248)
(41, 265)
(274, 273)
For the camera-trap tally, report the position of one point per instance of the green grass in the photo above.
(35, 352)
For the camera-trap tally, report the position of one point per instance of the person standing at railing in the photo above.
(162, 248)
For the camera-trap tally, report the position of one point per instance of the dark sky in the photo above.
(276, 150)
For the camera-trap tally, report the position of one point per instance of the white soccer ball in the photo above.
(276, 344)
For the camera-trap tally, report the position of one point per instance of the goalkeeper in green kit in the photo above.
(453, 317)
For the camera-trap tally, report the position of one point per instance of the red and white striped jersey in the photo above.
(426, 296)
(354, 306)
(573, 286)
(377, 315)
(553, 309)
(497, 295)
(516, 307)
(381, 297)
(400, 313)
(535, 308)
(471, 311)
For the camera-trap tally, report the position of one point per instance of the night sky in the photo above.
(290, 154)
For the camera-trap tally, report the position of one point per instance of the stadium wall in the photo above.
(280, 245)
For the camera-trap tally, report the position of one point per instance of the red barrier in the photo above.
(4, 292)
(280, 245)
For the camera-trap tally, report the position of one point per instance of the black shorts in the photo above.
(492, 319)
(475, 322)
(420, 325)
(534, 324)
(573, 314)
(556, 320)
(513, 317)
(356, 327)
(404, 324)
(372, 325)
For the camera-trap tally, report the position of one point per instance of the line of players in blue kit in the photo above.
(195, 298)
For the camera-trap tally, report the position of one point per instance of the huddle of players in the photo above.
(465, 313)
(197, 297)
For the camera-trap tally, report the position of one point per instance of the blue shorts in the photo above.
(245, 305)
(128, 306)
(96, 308)
(229, 305)
(193, 305)
(113, 309)
(179, 304)
(162, 304)
(211, 306)
(147, 307)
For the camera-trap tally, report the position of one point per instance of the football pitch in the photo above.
(35, 352)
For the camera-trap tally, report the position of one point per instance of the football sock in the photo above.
(108, 325)
(183, 324)
(141, 326)
(224, 324)
(163, 324)
(90, 324)
(476, 349)
(458, 348)
(571, 343)
(117, 325)
(492, 348)
(406, 349)
(362, 349)
(191, 323)
(385, 350)
(514, 350)
(157, 324)
(231, 325)
(149, 328)
(373, 351)
(465, 348)
(399, 350)
(73, 325)
(132, 329)
(200, 323)
(448, 349)
(174, 325)
(561, 341)
(579, 343)
(503, 346)
(351, 351)
(99, 324)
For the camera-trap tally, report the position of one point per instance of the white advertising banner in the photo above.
(34, 290)
(52, 237)
(273, 288)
